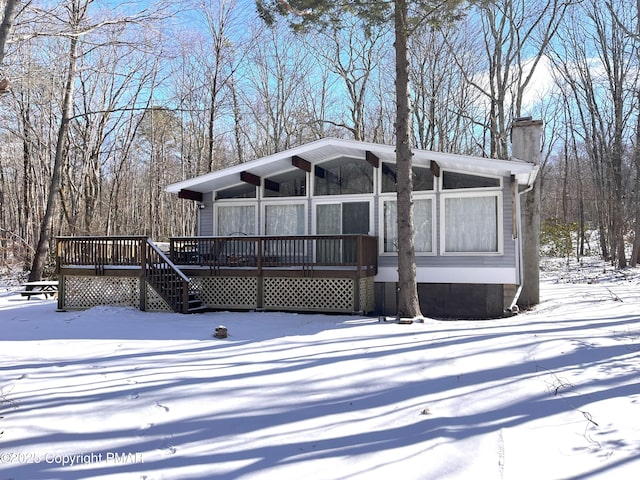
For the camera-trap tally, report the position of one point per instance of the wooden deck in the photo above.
(328, 273)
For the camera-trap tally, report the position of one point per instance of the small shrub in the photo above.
(556, 237)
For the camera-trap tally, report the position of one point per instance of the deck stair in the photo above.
(170, 282)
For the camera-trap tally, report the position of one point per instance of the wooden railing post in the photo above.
(259, 276)
(360, 254)
(185, 296)
(142, 253)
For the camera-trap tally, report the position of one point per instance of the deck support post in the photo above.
(143, 275)
(61, 292)
(260, 276)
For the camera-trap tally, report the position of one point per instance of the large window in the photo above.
(288, 184)
(343, 176)
(422, 223)
(342, 218)
(346, 218)
(243, 190)
(422, 178)
(459, 181)
(471, 224)
(236, 219)
(284, 219)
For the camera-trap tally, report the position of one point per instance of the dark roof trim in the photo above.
(435, 168)
(372, 158)
(271, 185)
(250, 178)
(190, 195)
(301, 163)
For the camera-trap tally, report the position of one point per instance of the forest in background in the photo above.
(127, 97)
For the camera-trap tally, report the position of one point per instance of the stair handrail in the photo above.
(179, 303)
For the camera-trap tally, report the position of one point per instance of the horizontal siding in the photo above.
(206, 216)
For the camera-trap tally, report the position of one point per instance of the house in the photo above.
(309, 217)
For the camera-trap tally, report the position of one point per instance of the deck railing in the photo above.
(99, 252)
(305, 251)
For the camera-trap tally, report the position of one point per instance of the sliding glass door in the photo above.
(343, 218)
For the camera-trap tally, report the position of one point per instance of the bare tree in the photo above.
(515, 37)
(276, 85)
(76, 11)
(77, 26)
(443, 102)
(597, 61)
(354, 52)
(10, 10)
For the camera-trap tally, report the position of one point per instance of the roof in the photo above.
(329, 148)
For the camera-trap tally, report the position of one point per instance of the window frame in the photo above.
(474, 193)
(340, 199)
(474, 189)
(235, 203)
(422, 195)
(280, 201)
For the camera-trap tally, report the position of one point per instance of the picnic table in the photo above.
(42, 287)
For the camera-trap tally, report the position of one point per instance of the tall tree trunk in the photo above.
(44, 241)
(237, 117)
(7, 24)
(408, 304)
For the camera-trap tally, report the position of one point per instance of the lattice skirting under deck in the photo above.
(83, 292)
(312, 294)
(155, 303)
(247, 293)
(227, 292)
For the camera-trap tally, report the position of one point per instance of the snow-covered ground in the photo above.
(553, 393)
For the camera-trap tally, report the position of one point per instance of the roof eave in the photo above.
(525, 172)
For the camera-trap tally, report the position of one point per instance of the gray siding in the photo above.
(205, 227)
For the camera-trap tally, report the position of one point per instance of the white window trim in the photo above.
(473, 193)
(235, 203)
(465, 172)
(422, 195)
(283, 201)
(334, 199)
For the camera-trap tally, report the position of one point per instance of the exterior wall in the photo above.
(457, 286)
(205, 216)
(448, 301)
(453, 286)
(507, 260)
